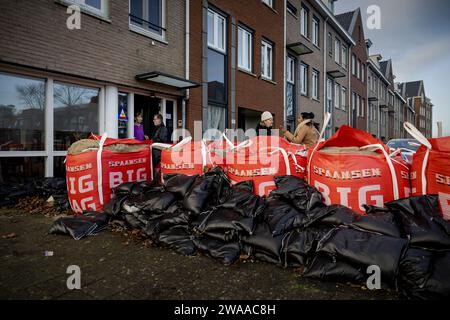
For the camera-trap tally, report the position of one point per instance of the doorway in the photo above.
(148, 107)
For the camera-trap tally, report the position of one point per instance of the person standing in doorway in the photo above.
(264, 127)
(160, 134)
(139, 128)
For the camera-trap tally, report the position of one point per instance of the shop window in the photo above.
(22, 113)
(123, 116)
(75, 114)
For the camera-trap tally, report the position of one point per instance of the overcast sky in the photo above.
(415, 34)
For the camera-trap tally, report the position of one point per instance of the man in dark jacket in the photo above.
(160, 134)
(264, 127)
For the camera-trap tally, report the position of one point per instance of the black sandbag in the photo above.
(421, 221)
(222, 220)
(301, 244)
(302, 196)
(154, 201)
(226, 252)
(133, 221)
(123, 188)
(50, 186)
(114, 205)
(10, 193)
(363, 248)
(263, 245)
(222, 185)
(328, 268)
(89, 223)
(157, 225)
(143, 187)
(61, 202)
(414, 271)
(201, 193)
(282, 217)
(338, 215)
(378, 220)
(240, 198)
(179, 184)
(179, 239)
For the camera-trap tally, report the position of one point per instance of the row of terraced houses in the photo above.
(67, 71)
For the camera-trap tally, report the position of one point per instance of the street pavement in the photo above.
(112, 267)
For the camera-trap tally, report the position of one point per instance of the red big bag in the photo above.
(430, 170)
(258, 159)
(186, 157)
(92, 174)
(365, 175)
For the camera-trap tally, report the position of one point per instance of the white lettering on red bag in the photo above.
(83, 185)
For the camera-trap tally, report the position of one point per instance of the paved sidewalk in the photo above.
(110, 269)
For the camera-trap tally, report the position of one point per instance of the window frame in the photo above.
(290, 70)
(265, 45)
(101, 13)
(343, 98)
(315, 80)
(337, 53)
(215, 45)
(304, 79)
(268, 3)
(146, 32)
(315, 31)
(330, 44)
(304, 21)
(344, 56)
(353, 64)
(244, 31)
(337, 95)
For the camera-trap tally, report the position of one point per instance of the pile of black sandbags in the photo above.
(408, 240)
(12, 193)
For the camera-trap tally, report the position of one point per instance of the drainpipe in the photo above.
(325, 78)
(186, 43)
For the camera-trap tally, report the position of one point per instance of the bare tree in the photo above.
(32, 95)
(69, 95)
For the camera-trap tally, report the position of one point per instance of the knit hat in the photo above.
(266, 115)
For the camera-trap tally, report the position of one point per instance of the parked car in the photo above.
(407, 147)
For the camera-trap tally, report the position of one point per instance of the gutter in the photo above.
(187, 39)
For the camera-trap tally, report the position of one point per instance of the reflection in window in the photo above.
(14, 169)
(216, 77)
(59, 167)
(22, 109)
(123, 115)
(75, 114)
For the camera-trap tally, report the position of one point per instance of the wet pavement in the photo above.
(114, 268)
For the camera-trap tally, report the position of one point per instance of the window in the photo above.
(344, 98)
(75, 113)
(303, 79)
(363, 107)
(94, 6)
(268, 2)
(291, 8)
(353, 65)
(245, 49)
(330, 44)
(358, 69)
(344, 56)
(315, 31)
(290, 70)
(315, 84)
(358, 105)
(217, 117)
(354, 103)
(337, 95)
(216, 31)
(217, 91)
(123, 115)
(22, 113)
(337, 51)
(147, 17)
(304, 22)
(363, 72)
(266, 61)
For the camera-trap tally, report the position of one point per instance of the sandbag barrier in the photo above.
(408, 239)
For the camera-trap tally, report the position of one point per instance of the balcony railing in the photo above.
(138, 21)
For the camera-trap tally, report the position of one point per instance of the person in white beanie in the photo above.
(264, 127)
